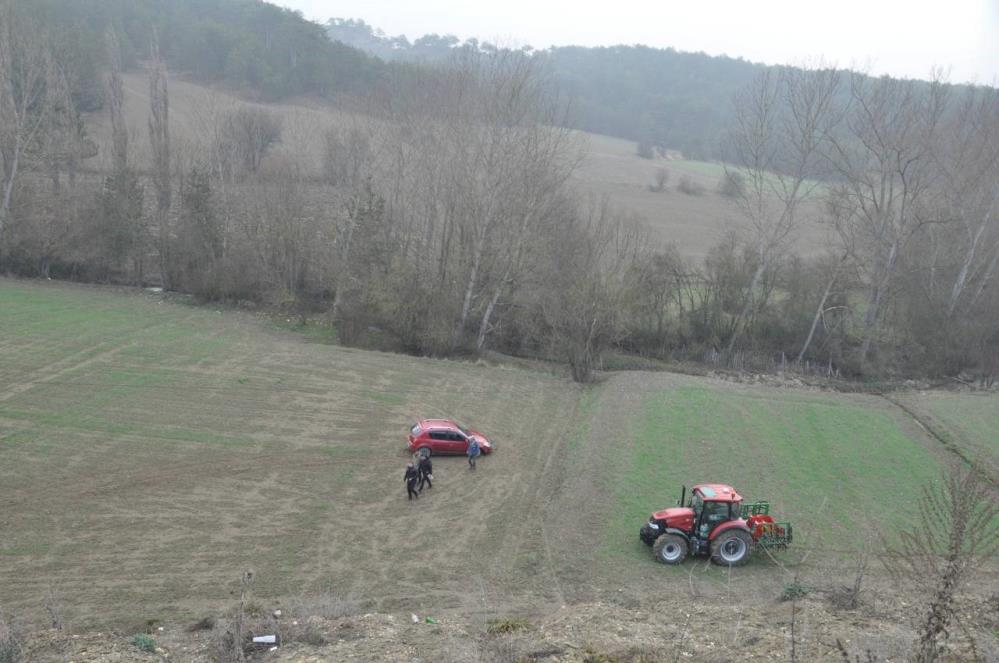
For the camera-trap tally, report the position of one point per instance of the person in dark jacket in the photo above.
(426, 470)
(412, 475)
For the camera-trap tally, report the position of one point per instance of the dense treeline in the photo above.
(661, 98)
(251, 45)
(442, 220)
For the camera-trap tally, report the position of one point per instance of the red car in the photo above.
(443, 436)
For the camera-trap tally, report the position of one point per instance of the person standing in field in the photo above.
(411, 477)
(473, 452)
(426, 471)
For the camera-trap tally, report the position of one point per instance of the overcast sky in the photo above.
(900, 37)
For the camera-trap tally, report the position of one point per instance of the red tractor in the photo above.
(715, 522)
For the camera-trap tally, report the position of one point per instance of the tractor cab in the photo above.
(713, 505)
(714, 521)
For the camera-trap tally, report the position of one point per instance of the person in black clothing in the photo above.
(426, 469)
(411, 477)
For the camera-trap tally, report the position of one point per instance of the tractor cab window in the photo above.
(715, 512)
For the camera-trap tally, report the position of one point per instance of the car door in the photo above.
(440, 441)
(456, 442)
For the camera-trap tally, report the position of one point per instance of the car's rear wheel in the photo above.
(670, 549)
(732, 548)
(424, 452)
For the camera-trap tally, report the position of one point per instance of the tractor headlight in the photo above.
(653, 525)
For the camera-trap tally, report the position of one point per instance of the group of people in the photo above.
(420, 472)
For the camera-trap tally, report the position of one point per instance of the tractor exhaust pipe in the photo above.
(683, 495)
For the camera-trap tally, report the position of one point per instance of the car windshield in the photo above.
(415, 430)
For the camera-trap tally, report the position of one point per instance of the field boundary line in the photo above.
(942, 438)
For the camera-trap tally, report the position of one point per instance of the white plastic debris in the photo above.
(277, 613)
(274, 648)
(264, 639)
(414, 618)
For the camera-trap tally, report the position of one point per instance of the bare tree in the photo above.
(956, 531)
(159, 138)
(116, 106)
(659, 180)
(478, 165)
(591, 253)
(121, 198)
(820, 310)
(658, 283)
(249, 132)
(690, 186)
(350, 165)
(25, 70)
(732, 184)
(883, 159)
(967, 155)
(780, 122)
(63, 142)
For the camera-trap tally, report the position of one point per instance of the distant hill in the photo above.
(661, 97)
(258, 48)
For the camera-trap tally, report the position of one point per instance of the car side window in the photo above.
(438, 435)
(457, 437)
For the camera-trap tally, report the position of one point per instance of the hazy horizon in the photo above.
(963, 40)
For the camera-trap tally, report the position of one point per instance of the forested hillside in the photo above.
(659, 97)
(261, 49)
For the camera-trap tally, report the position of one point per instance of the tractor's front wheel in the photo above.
(670, 549)
(732, 548)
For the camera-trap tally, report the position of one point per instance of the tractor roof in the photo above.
(717, 492)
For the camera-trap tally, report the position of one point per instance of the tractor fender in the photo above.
(679, 532)
(732, 524)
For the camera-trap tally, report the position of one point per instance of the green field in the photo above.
(968, 421)
(844, 469)
(152, 450)
(813, 458)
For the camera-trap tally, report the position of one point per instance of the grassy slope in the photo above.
(693, 223)
(815, 459)
(841, 467)
(151, 451)
(969, 421)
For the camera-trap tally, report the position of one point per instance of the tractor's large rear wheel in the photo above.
(732, 548)
(670, 549)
